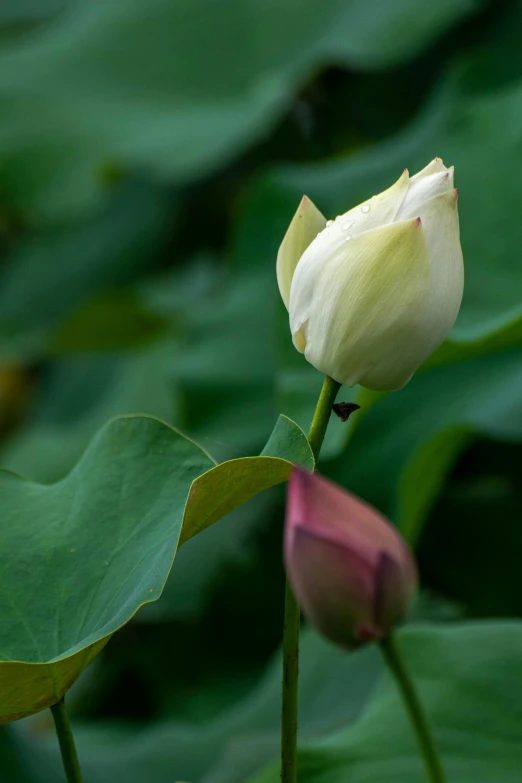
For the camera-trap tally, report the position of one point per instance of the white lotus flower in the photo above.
(378, 289)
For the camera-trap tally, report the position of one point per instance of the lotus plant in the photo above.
(370, 295)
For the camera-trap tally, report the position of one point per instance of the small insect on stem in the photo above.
(344, 409)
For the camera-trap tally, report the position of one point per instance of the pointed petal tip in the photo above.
(305, 206)
(404, 178)
(449, 197)
(306, 223)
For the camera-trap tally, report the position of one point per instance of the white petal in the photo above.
(436, 166)
(440, 223)
(424, 189)
(358, 315)
(303, 229)
(376, 211)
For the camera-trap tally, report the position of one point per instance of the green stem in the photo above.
(292, 612)
(70, 761)
(322, 414)
(421, 727)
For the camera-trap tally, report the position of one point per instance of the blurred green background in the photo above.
(152, 153)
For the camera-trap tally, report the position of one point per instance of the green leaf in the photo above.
(80, 557)
(465, 677)
(289, 442)
(83, 555)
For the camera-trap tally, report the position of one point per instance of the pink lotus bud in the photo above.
(350, 570)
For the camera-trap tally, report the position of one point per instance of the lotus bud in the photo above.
(352, 573)
(374, 292)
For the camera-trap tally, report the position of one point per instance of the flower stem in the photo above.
(70, 761)
(322, 414)
(421, 727)
(292, 612)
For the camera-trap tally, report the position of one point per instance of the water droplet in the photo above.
(329, 223)
(106, 562)
(348, 224)
(348, 237)
(365, 208)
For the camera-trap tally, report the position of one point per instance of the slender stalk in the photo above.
(322, 415)
(421, 727)
(292, 612)
(70, 761)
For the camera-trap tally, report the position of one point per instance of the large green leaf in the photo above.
(126, 82)
(465, 676)
(83, 555)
